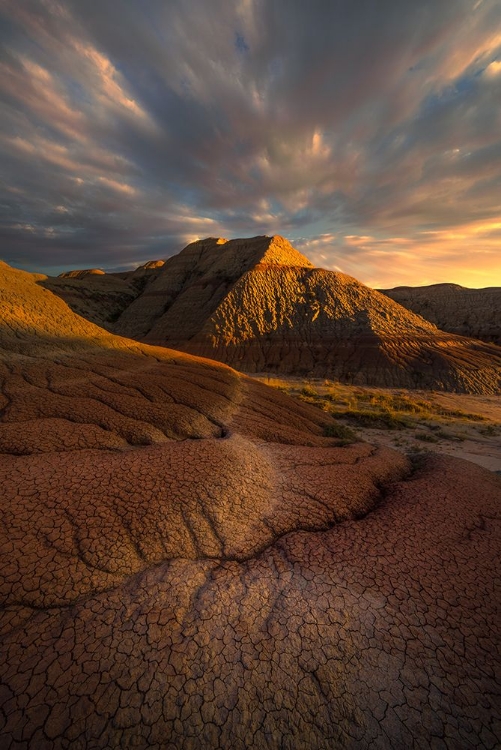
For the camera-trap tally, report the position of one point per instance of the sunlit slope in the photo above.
(73, 385)
(193, 283)
(34, 321)
(101, 297)
(259, 305)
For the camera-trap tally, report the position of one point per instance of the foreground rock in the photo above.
(260, 306)
(187, 562)
(454, 308)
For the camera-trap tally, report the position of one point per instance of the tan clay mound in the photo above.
(260, 306)
(254, 587)
(454, 308)
(198, 279)
(151, 264)
(102, 297)
(82, 273)
(142, 275)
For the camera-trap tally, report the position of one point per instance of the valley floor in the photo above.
(459, 425)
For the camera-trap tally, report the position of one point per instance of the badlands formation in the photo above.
(98, 296)
(188, 562)
(454, 308)
(260, 306)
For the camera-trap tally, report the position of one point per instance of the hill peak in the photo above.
(239, 255)
(151, 264)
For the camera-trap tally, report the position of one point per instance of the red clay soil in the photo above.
(188, 563)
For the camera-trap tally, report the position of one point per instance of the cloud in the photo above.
(126, 130)
(427, 257)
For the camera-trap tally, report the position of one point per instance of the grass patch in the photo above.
(367, 408)
(341, 432)
(382, 418)
(309, 392)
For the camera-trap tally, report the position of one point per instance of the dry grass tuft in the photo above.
(367, 408)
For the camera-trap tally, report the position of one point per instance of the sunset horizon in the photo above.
(402, 278)
(369, 137)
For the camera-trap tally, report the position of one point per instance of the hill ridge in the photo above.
(454, 308)
(258, 305)
(209, 267)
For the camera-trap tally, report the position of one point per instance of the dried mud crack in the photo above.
(216, 630)
(165, 588)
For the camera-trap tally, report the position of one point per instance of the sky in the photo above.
(368, 133)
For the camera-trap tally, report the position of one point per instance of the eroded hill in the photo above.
(98, 296)
(468, 312)
(260, 306)
(188, 562)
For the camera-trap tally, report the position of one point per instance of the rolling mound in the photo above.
(261, 306)
(81, 273)
(98, 296)
(188, 562)
(454, 308)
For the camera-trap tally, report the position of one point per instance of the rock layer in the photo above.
(468, 312)
(259, 305)
(187, 562)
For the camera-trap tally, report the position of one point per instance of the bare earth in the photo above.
(484, 451)
(189, 561)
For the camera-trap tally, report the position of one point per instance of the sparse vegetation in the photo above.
(444, 434)
(368, 408)
(340, 431)
(419, 421)
(427, 437)
(490, 430)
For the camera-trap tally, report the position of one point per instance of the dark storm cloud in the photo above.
(129, 129)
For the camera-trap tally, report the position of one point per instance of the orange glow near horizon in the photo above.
(469, 255)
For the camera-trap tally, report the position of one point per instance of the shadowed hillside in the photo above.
(468, 312)
(101, 297)
(187, 561)
(259, 305)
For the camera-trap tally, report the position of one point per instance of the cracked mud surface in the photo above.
(187, 563)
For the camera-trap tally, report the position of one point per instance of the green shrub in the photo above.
(427, 437)
(307, 390)
(340, 431)
(384, 419)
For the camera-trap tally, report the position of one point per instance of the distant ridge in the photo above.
(259, 305)
(455, 308)
(81, 274)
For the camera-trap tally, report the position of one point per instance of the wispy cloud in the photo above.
(369, 132)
